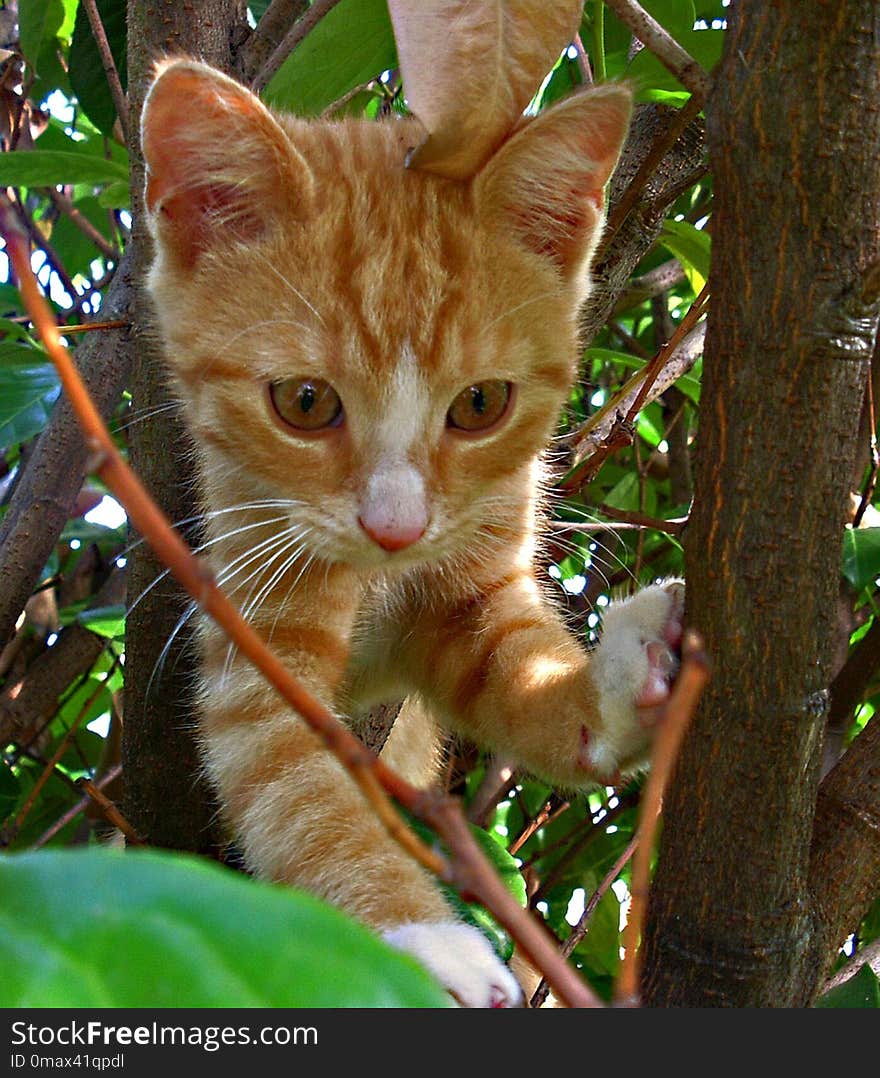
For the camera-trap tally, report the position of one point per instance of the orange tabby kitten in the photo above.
(371, 361)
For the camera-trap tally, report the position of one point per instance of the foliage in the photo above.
(70, 174)
(149, 944)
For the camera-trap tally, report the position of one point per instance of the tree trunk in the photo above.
(163, 800)
(794, 135)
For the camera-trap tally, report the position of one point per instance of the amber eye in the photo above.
(480, 406)
(306, 403)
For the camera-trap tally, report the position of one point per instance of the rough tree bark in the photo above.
(162, 798)
(794, 135)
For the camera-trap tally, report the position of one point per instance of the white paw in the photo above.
(633, 667)
(462, 960)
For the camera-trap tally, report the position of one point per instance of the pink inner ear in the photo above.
(560, 228)
(212, 154)
(201, 212)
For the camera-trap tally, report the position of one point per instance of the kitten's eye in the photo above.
(306, 403)
(480, 406)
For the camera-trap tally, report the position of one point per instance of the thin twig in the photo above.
(580, 929)
(65, 206)
(676, 717)
(49, 769)
(673, 526)
(79, 807)
(467, 869)
(667, 50)
(91, 327)
(42, 244)
(120, 101)
(611, 426)
(300, 29)
(110, 812)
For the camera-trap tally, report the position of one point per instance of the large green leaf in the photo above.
(861, 556)
(39, 22)
(352, 44)
(87, 75)
(102, 928)
(45, 168)
(29, 387)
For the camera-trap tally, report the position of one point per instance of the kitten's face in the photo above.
(386, 349)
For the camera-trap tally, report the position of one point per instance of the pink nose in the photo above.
(392, 536)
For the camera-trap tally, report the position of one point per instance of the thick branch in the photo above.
(303, 26)
(35, 700)
(46, 492)
(845, 861)
(665, 48)
(277, 20)
(636, 232)
(730, 921)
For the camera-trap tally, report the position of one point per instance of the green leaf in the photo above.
(29, 387)
(87, 75)
(115, 196)
(15, 331)
(9, 790)
(861, 556)
(351, 45)
(103, 928)
(650, 74)
(39, 22)
(104, 620)
(675, 16)
(692, 247)
(505, 866)
(258, 9)
(508, 869)
(46, 168)
(79, 250)
(861, 990)
(625, 493)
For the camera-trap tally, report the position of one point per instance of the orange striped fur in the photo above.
(287, 249)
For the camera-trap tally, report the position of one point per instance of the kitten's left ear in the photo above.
(219, 165)
(545, 184)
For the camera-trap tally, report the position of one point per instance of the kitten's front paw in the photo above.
(633, 667)
(462, 960)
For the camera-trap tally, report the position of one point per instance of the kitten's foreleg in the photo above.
(508, 674)
(300, 819)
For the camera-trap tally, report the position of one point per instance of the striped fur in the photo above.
(287, 248)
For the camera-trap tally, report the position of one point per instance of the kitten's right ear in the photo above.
(218, 163)
(544, 186)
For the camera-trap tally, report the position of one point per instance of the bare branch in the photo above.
(653, 283)
(303, 26)
(596, 439)
(667, 50)
(277, 19)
